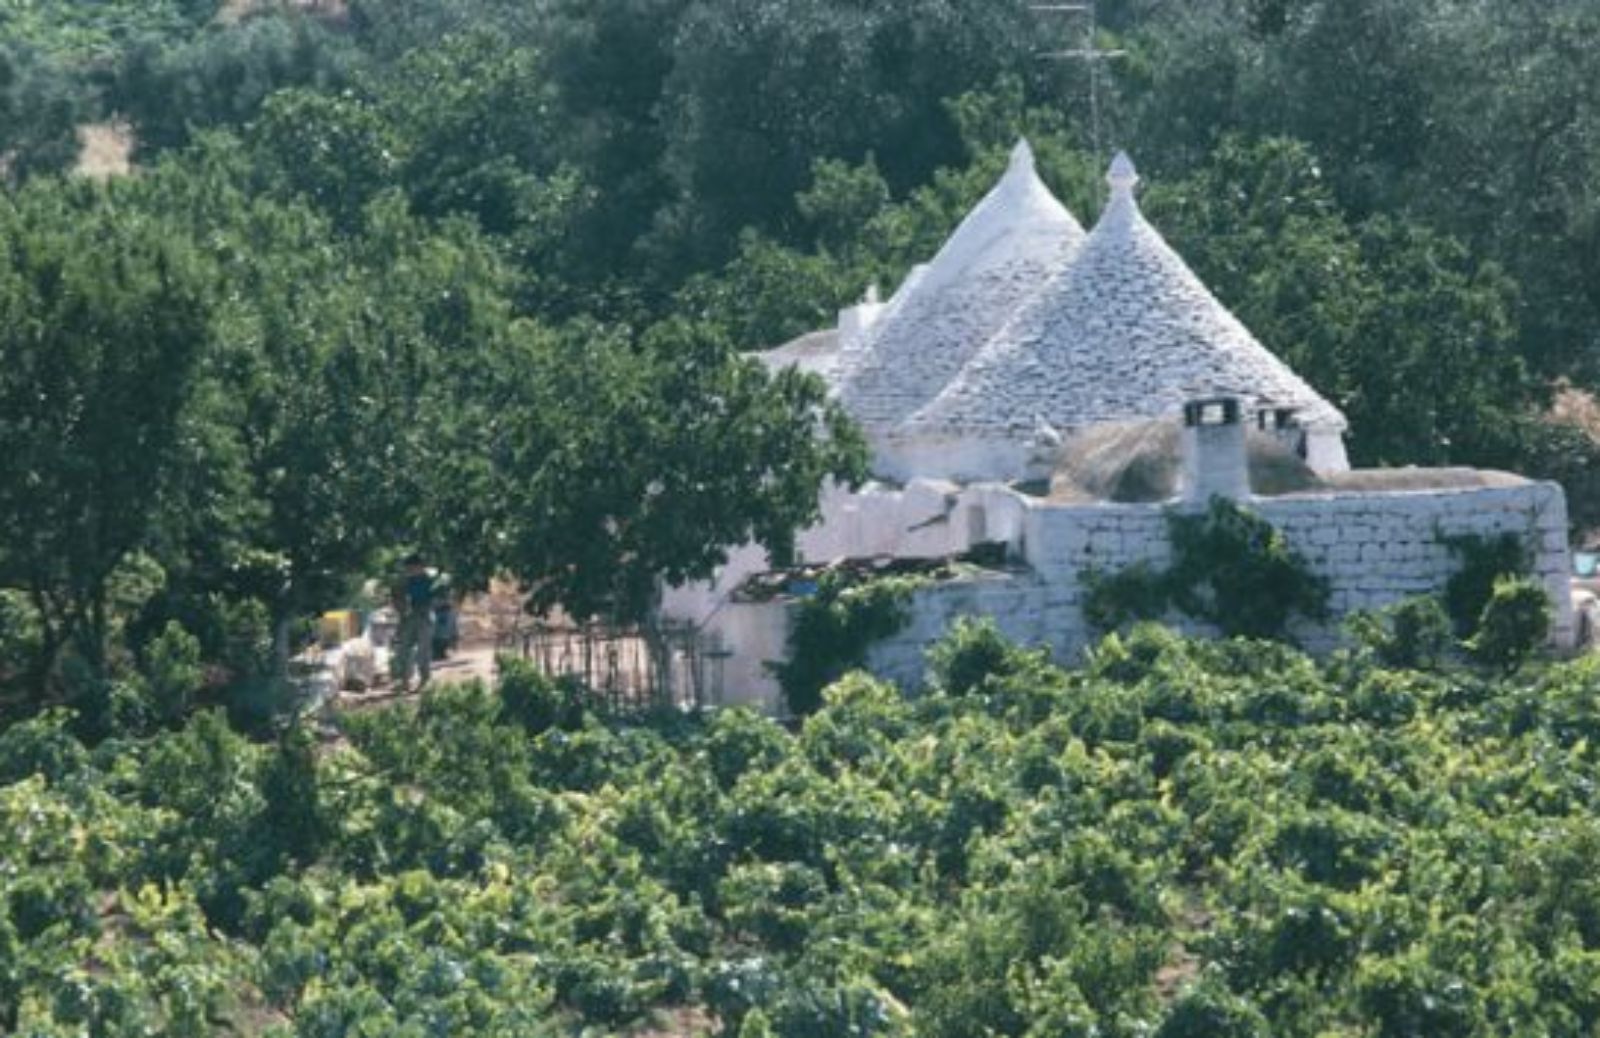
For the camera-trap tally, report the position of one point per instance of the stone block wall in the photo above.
(1375, 549)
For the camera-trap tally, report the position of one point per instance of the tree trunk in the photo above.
(54, 635)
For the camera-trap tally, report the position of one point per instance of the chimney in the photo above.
(1282, 424)
(1214, 461)
(854, 321)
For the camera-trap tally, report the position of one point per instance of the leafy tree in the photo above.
(1512, 136)
(105, 328)
(170, 90)
(323, 387)
(40, 108)
(609, 61)
(475, 123)
(760, 89)
(853, 234)
(618, 461)
(1438, 378)
(1396, 323)
(336, 151)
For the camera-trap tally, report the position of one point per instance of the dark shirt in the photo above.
(419, 591)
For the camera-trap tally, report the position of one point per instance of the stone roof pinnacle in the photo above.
(1122, 177)
(1021, 156)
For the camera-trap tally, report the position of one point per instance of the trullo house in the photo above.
(1046, 396)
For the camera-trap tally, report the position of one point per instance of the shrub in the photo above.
(738, 741)
(293, 820)
(1388, 697)
(1514, 624)
(971, 652)
(243, 630)
(1409, 996)
(1412, 634)
(41, 745)
(771, 901)
(1113, 601)
(1484, 560)
(257, 703)
(1129, 659)
(20, 633)
(535, 701)
(1235, 570)
(173, 673)
(834, 629)
(756, 1025)
(1231, 569)
(1210, 1010)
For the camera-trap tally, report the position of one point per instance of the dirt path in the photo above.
(473, 663)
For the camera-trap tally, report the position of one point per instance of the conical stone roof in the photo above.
(1126, 333)
(997, 260)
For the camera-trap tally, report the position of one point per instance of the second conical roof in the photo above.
(1128, 332)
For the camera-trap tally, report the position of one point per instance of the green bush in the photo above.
(244, 636)
(535, 701)
(294, 820)
(1515, 624)
(173, 673)
(833, 631)
(42, 745)
(1184, 838)
(1231, 569)
(20, 634)
(972, 651)
(1484, 560)
(1113, 601)
(1413, 634)
(1210, 1010)
(1407, 996)
(738, 741)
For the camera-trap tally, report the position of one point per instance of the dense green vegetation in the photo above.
(1190, 839)
(474, 275)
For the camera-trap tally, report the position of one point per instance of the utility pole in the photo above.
(1089, 52)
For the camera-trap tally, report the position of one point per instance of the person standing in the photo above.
(446, 626)
(412, 596)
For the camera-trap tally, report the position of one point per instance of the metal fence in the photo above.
(621, 665)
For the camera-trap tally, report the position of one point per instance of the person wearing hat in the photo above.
(412, 596)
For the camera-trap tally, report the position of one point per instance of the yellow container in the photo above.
(337, 627)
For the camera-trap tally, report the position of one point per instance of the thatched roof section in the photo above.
(1142, 463)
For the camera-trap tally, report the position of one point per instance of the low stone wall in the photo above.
(1375, 549)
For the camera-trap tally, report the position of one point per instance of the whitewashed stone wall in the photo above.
(1379, 548)
(743, 638)
(1375, 549)
(927, 519)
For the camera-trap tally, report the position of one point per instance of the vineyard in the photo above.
(1180, 839)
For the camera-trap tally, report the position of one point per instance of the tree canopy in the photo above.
(475, 275)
